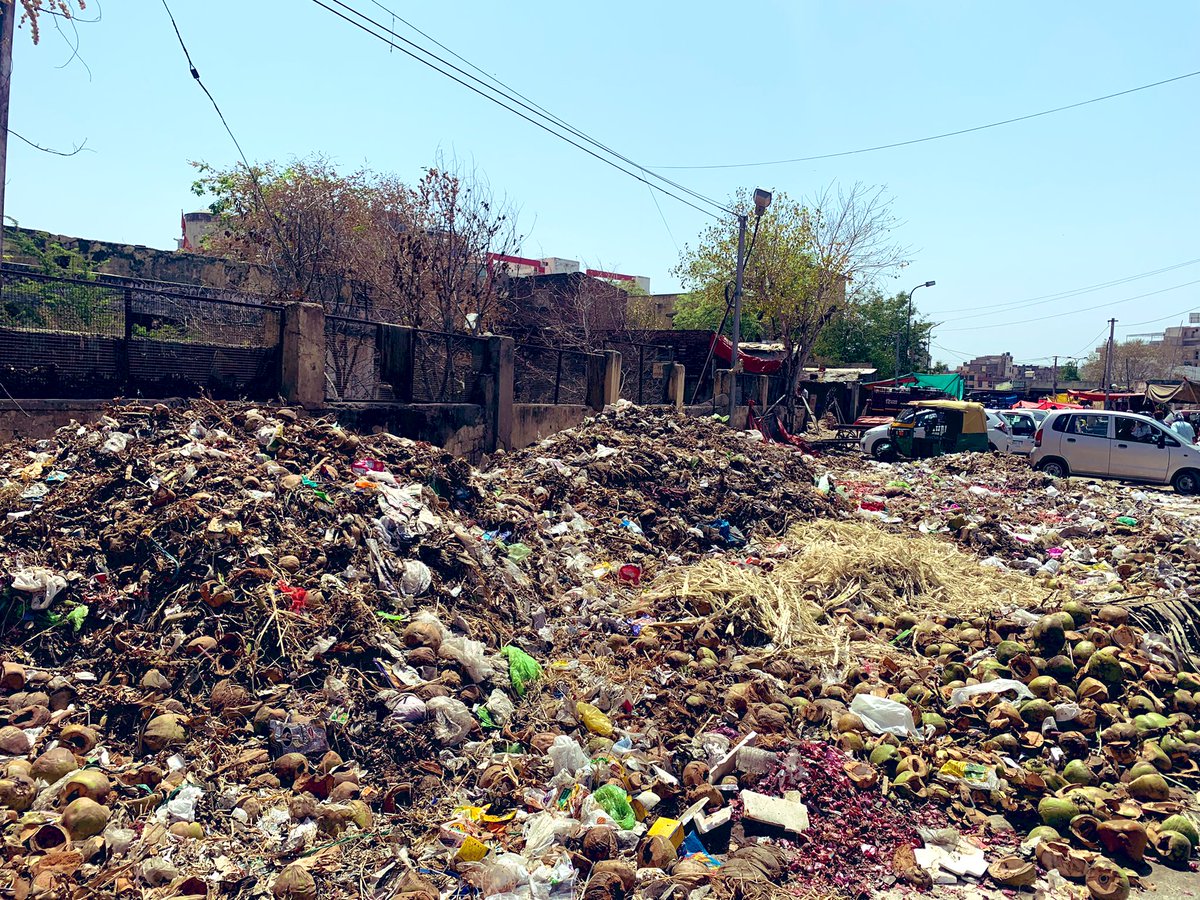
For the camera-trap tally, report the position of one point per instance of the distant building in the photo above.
(983, 373)
(195, 227)
(524, 267)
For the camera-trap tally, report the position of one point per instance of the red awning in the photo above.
(1094, 396)
(1046, 404)
(751, 365)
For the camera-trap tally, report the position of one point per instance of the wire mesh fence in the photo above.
(99, 336)
(549, 375)
(352, 367)
(447, 367)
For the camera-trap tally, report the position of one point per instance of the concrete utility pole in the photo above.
(8, 12)
(1054, 379)
(1108, 358)
(735, 338)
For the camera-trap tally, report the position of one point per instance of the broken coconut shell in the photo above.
(600, 843)
(1106, 881)
(294, 883)
(54, 764)
(1184, 826)
(1012, 871)
(1123, 837)
(84, 817)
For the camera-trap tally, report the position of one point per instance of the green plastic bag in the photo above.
(522, 668)
(614, 801)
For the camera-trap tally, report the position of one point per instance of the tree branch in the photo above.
(51, 150)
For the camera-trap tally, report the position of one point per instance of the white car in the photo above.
(876, 443)
(1121, 445)
(1022, 426)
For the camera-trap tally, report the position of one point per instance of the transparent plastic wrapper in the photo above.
(961, 695)
(472, 656)
(504, 873)
(452, 720)
(499, 707)
(884, 716)
(567, 755)
(554, 882)
(417, 578)
(543, 829)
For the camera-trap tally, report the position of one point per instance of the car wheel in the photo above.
(1055, 468)
(992, 447)
(884, 451)
(1186, 481)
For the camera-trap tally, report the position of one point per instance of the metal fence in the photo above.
(645, 371)
(352, 367)
(101, 336)
(549, 375)
(447, 367)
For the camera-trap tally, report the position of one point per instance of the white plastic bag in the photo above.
(504, 873)
(416, 579)
(884, 716)
(959, 696)
(452, 720)
(40, 581)
(567, 755)
(500, 707)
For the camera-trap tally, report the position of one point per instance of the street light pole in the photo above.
(908, 326)
(762, 199)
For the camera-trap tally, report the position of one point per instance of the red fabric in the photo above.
(1098, 395)
(751, 365)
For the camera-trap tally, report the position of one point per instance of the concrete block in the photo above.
(785, 812)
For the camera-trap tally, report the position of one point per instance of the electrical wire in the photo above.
(1074, 292)
(1075, 312)
(938, 137)
(483, 89)
(246, 162)
(512, 95)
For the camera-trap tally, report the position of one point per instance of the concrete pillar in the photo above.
(396, 360)
(603, 379)
(675, 381)
(302, 355)
(496, 382)
(722, 386)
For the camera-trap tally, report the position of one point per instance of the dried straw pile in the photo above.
(838, 566)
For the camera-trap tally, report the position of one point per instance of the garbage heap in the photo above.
(242, 648)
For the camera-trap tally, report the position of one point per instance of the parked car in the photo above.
(1120, 445)
(1022, 426)
(880, 443)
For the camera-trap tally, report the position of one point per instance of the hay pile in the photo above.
(833, 575)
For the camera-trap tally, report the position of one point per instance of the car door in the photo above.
(1021, 429)
(1086, 443)
(1136, 451)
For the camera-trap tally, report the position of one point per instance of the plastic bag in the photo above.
(472, 656)
(500, 707)
(959, 696)
(452, 720)
(974, 775)
(567, 755)
(503, 874)
(416, 579)
(884, 716)
(522, 668)
(614, 801)
(542, 829)
(594, 720)
(555, 882)
(40, 581)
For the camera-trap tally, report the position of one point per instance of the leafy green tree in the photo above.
(1068, 372)
(802, 257)
(865, 330)
(696, 310)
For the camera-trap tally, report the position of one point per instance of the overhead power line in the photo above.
(533, 114)
(943, 135)
(1075, 312)
(1002, 308)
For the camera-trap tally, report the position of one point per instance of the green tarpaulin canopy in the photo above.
(950, 383)
(1184, 392)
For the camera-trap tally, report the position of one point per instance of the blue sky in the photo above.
(1081, 198)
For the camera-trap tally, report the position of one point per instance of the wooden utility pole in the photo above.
(8, 13)
(1108, 359)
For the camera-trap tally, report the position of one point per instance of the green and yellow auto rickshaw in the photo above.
(933, 427)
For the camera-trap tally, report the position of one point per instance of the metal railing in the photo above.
(447, 367)
(66, 336)
(549, 375)
(645, 371)
(352, 365)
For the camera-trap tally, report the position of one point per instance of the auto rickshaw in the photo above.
(933, 427)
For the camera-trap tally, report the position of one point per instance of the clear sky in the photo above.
(1084, 197)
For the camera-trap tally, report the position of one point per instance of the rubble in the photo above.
(248, 653)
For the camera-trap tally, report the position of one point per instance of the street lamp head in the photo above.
(762, 199)
(929, 284)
